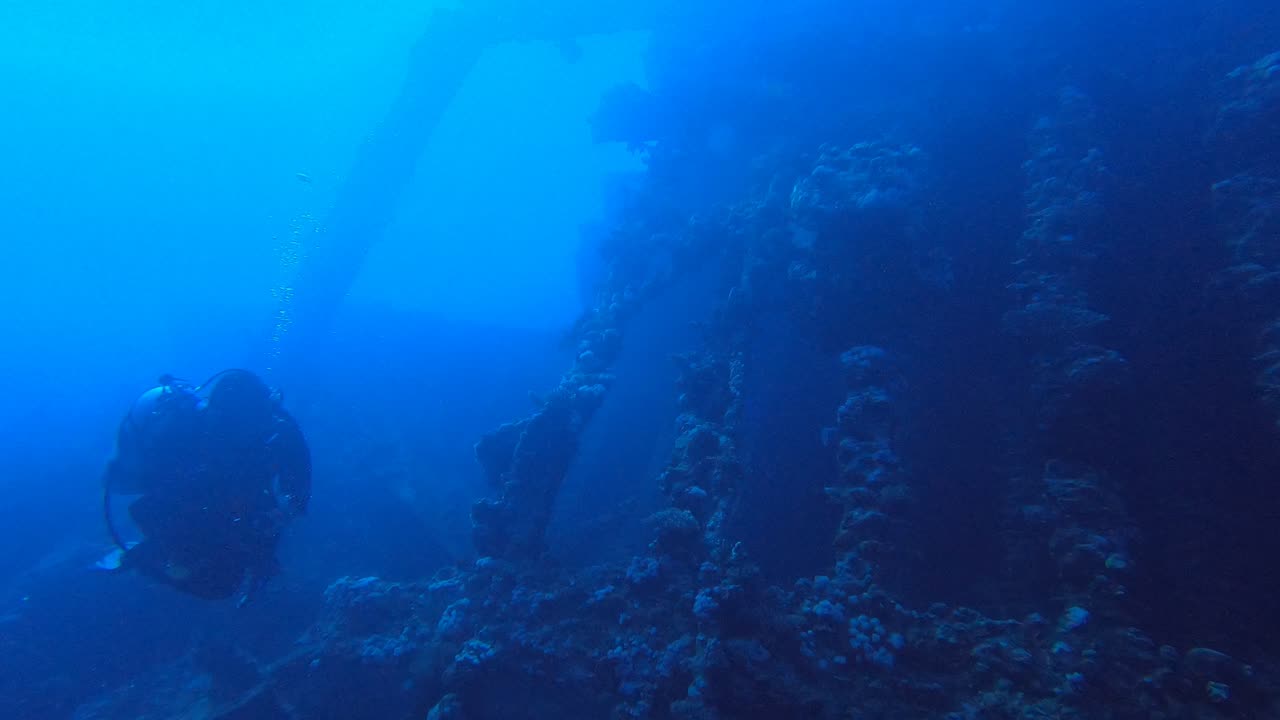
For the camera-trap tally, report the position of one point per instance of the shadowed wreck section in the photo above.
(1247, 208)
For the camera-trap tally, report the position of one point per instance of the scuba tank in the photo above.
(153, 421)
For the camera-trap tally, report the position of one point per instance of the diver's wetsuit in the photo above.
(214, 496)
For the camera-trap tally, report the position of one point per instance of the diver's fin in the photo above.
(114, 560)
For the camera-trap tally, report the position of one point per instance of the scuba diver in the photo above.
(219, 469)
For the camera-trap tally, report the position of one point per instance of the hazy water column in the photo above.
(290, 252)
(367, 202)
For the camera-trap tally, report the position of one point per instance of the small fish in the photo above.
(114, 559)
(303, 177)
(829, 438)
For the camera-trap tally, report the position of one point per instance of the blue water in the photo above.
(398, 219)
(154, 216)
